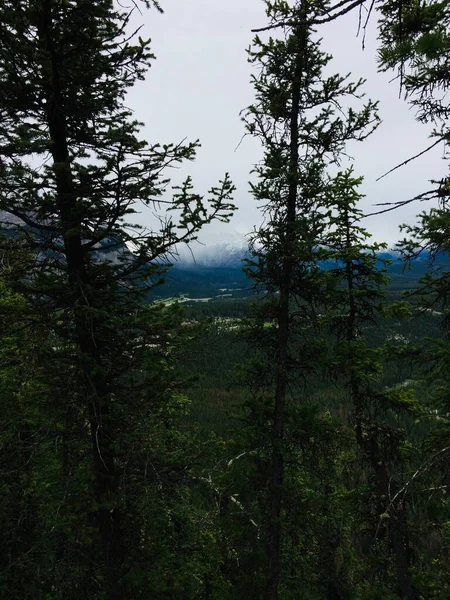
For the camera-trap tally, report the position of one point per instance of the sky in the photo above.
(201, 81)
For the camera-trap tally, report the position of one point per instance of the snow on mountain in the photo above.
(214, 249)
(227, 248)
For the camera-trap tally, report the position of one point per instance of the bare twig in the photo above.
(395, 205)
(348, 5)
(405, 162)
(273, 26)
(419, 471)
(369, 13)
(344, 11)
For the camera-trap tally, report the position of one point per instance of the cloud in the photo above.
(201, 81)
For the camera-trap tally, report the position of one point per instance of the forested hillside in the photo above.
(271, 429)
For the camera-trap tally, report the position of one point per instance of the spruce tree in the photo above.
(360, 305)
(297, 117)
(415, 42)
(73, 171)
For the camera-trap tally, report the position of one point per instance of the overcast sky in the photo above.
(201, 81)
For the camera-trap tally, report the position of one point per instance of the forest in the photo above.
(292, 443)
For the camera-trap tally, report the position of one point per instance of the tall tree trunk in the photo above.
(282, 356)
(105, 477)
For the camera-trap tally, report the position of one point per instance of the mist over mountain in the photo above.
(226, 249)
(212, 267)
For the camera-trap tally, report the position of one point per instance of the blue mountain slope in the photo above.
(226, 279)
(215, 270)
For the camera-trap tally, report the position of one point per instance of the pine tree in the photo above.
(296, 117)
(415, 42)
(73, 171)
(360, 303)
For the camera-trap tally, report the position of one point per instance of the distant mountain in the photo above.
(228, 249)
(232, 248)
(212, 267)
(215, 270)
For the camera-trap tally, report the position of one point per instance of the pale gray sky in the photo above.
(201, 81)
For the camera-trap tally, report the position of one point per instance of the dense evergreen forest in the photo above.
(291, 442)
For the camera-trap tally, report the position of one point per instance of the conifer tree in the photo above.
(297, 117)
(360, 303)
(415, 42)
(73, 171)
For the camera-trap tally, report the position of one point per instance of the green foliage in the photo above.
(148, 451)
(416, 43)
(94, 421)
(303, 119)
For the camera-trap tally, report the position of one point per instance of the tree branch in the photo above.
(405, 162)
(395, 205)
(331, 17)
(344, 11)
